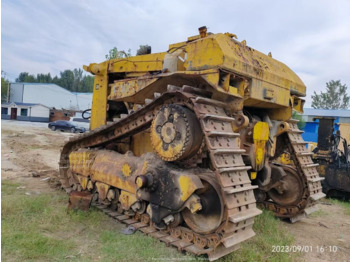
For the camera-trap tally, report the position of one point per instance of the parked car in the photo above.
(68, 126)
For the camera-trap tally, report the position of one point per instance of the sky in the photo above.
(40, 36)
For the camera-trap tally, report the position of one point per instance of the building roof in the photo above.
(29, 83)
(49, 94)
(22, 104)
(326, 112)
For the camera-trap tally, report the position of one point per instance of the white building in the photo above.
(25, 112)
(50, 95)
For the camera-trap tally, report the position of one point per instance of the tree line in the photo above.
(72, 80)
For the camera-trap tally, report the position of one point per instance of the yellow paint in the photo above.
(141, 143)
(195, 206)
(253, 175)
(127, 199)
(260, 137)
(144, 167)
(259, 153)
(211, 76)
(285, 159)
(321, 170)
(187, 187)
(298, 104)
(215, 56)
(83, 181)
(128, 87)
(107, 168)
(311, 146)
(204, 53)
(99, 98)
(344, 132)
(139, 182)
(80, 162)
(143, 63)
(171, 152)
(233, 90)
(102, 189)
(116, 181)
(261, 131)
(126, 170)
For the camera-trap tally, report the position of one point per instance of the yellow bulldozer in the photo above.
(185, 143)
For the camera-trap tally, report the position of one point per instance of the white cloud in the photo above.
(311, 37)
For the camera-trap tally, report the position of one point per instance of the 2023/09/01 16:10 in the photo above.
(307, 249)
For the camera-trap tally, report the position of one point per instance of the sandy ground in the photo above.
(30, 153)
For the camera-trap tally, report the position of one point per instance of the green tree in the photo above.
(67, 79)
(114, 53)
(26, 77)
(56, 80)
(4, 86)
(72, 80)
(44, 78)
(335, 97)
(78, 78)
(88, 83)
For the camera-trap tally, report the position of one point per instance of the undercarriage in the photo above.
(194, 190)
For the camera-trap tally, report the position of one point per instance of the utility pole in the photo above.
(8, 87)
(8, 92)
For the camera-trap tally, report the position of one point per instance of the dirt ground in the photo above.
(30, 154)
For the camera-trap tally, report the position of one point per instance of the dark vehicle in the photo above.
(334, 163)
(63, 125)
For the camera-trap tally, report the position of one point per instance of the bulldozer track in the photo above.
(225, 154)
(306, 169)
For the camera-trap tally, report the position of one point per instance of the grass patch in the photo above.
(269, 233)
(24, 221)
(8, 188)
(137, 247)
(38, 228)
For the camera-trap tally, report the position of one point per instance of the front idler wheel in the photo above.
(291, 191)
(210, 217)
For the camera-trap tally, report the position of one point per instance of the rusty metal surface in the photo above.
(79, 200)
(235, 220)
(175, 133)
(305, 173)
(291, 190)
(217, 128)
(212, 214)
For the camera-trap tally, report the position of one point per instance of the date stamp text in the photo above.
(304, 249)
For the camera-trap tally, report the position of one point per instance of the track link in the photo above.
(225, 154)
(307, 171)
(231, 173)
